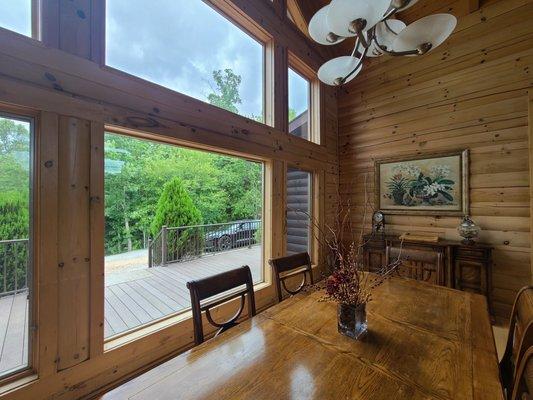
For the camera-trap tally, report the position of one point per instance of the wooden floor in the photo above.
(13, 332)
(132, 298)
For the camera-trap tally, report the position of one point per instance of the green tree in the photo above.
(14, 221)
(226, 93)
(175, 208)
(292, 114)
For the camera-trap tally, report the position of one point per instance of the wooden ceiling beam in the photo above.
(298, 17)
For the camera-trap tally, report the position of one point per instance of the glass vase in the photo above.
(352, 320)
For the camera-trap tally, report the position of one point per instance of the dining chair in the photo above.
(289, 266)
(212, 288)
(523, 384)
(422, 265)
(519, 338)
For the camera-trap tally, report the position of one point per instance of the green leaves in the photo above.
(446, 195)
(175, 208)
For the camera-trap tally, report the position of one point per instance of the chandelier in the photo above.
(376, 33)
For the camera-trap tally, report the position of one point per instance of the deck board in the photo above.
(15, 340)
(132, 298)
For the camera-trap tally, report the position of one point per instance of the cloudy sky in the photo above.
(16, 15)
(177, 44)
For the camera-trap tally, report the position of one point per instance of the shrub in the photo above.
(175, 208)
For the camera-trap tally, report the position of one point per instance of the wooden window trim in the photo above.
(182, 316)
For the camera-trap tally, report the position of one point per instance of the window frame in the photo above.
(314, 98)
(113, 342)
(26, 115)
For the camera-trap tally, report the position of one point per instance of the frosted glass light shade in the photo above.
(342, 13)
(339, 67)
(319, 29)
(434, 29)
(412, 3)
(385, 37)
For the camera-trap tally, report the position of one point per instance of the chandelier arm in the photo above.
(422, 49)
(356, 47)
(357, 66)
(358, 25)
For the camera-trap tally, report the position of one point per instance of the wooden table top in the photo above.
(424, 342)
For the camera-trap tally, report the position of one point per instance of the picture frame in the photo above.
(423, 184)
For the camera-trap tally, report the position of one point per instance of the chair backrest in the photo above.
(523, 384)
(287, 267)
(214, 285)
(422, 265)
(519, 339)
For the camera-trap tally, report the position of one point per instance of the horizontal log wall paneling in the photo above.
(472, 92)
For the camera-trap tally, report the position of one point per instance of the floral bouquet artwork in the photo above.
(436, 184)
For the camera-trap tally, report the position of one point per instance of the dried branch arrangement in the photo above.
(348, 282)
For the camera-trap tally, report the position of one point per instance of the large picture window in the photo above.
(173, 214)
(15, 243)
(187, 46)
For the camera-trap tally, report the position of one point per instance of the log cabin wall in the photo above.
(62, 83)
(470, 93)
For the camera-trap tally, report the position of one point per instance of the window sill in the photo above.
(18, 382)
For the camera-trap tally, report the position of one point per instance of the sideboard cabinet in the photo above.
(464, 267)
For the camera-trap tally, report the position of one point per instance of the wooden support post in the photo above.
(277, 83)
(74, 239)
(530, 142)
(47, 245)
(75, 26)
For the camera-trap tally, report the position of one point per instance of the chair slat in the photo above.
(289, 266)
(205, 288)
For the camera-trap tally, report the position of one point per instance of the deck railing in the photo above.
(183, 243)
(14, 257)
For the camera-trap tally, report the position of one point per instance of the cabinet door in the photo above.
(470, 276)
(376, 259)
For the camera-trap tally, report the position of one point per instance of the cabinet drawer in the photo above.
(464, 252)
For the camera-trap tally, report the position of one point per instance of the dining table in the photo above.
(423, 342)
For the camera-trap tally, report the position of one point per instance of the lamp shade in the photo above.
(339, 67)
(342, 13)
(319, 29)
(385, 37)
(411, 3)
(434, 29)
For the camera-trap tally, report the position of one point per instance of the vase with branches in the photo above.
(349, 283)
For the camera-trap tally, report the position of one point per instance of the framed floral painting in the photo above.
(432, 184)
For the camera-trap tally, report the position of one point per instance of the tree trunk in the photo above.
(128, 232)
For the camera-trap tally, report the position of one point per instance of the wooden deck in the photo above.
(13, 332)
(132, 298)
(137, 297)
